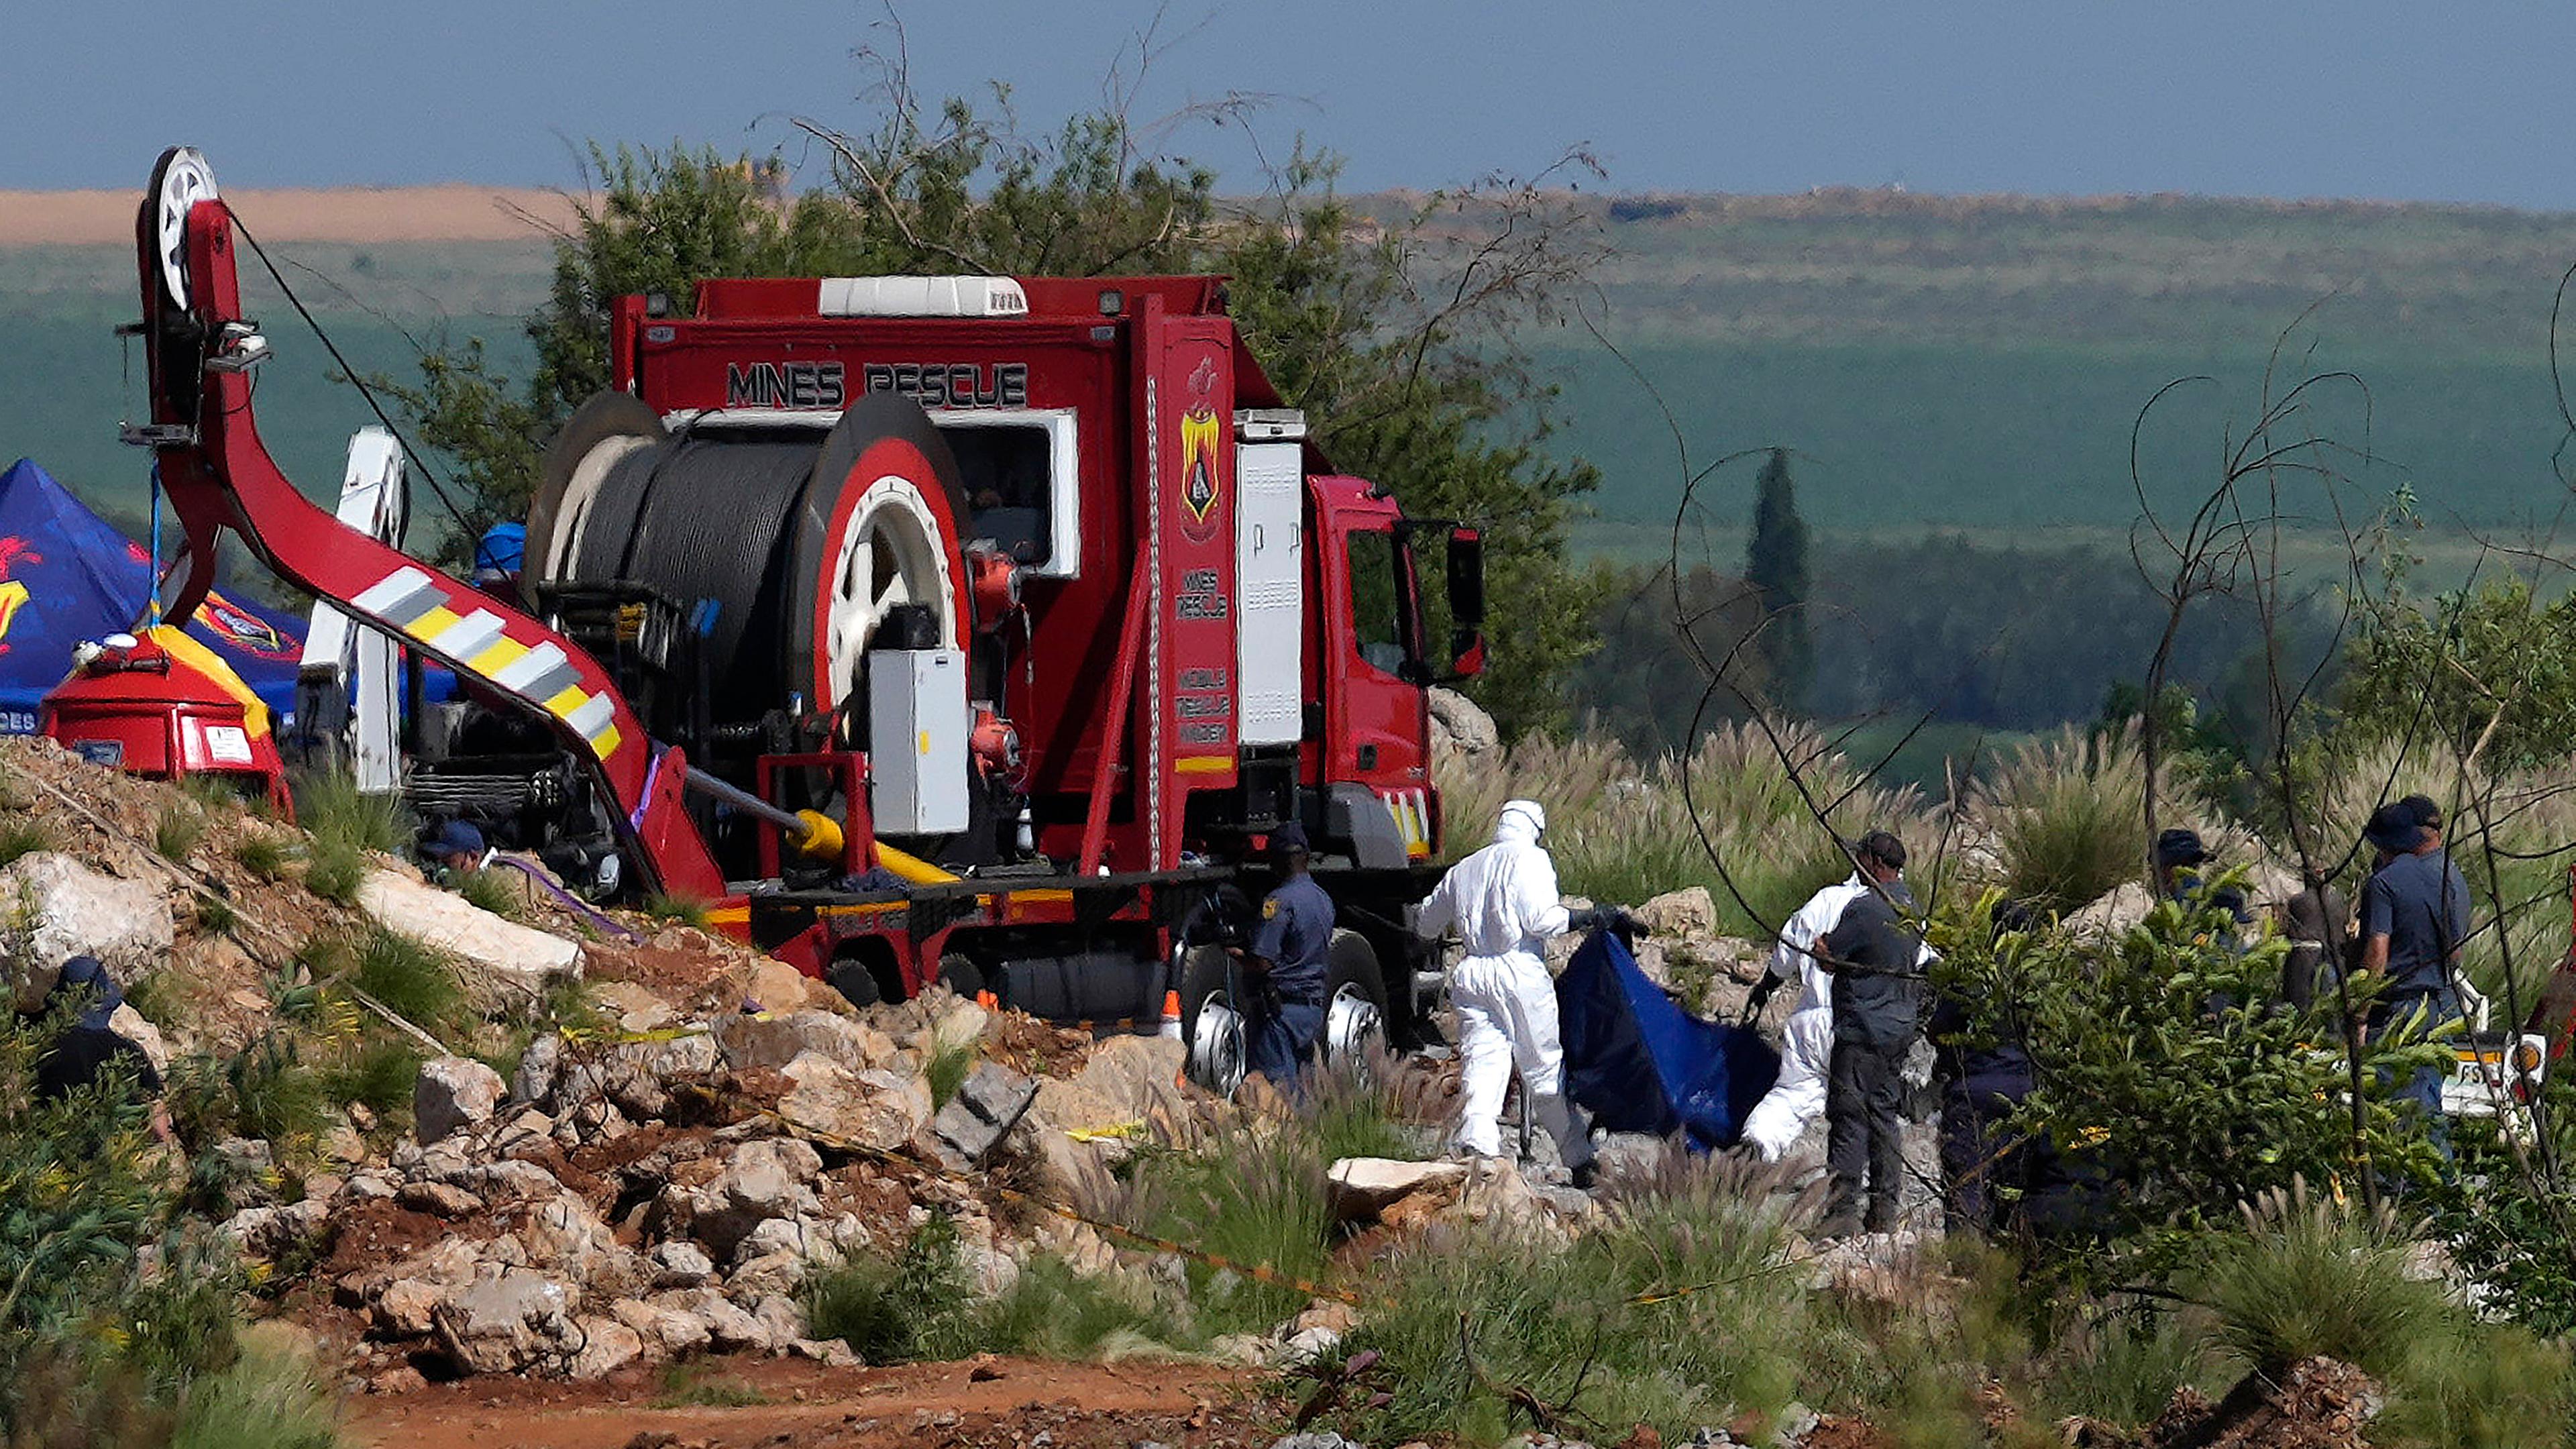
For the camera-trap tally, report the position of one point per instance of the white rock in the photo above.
(1457, 722)
(776, 1235)
(639, 1075)
(679, 1263)
(781, 1318)
(1363, 1187)
(729, 1329)
(773, 1039)
(2114, 914)
(502, 961)
(874, 1108)
(677, 1331)
(266, 1232)
(767, 1274)
(506, 1321)
(565, 1236)
(606, 1346)
(453, 1093)
(408, 1308)
(76, 911)
(136, 1028)
(1690, 912)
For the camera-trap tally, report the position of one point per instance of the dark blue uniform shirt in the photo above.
(1875, 951)
(1295, 936)
(2420, 903)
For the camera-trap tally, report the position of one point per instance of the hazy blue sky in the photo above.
(2467, 100)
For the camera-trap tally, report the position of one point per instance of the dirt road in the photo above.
(455, 212)
(798, 1405)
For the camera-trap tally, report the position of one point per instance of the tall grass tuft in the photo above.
(22, 835)
(2309, 1278)
(335, 871)
(494, 891)
(1622, 830)
(178, 830)
(1467, 1325)
(261, 855)
(265, 1400)
(412, 979)
(2064, 809)
(335, 810)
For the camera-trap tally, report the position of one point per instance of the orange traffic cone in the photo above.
(1171, 1015)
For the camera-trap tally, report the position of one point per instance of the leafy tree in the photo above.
(2171, 1080)
(1775, 564)
(2489, 672)
(1394, 333)
(1642, 684)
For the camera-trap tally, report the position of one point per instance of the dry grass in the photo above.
(1623, 830)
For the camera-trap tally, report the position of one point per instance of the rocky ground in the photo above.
(606, 1245)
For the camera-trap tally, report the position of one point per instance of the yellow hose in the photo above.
(911, 867)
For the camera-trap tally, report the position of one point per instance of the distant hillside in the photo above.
(1971, 362)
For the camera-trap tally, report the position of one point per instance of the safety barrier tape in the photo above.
(624, 1038)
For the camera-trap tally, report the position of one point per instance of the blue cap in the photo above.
(456, 837)
(1291, 836)
(504, 546)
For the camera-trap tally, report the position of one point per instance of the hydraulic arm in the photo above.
(200, 356)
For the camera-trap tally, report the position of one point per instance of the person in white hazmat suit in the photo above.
(1503, 901)
(1807, 1042)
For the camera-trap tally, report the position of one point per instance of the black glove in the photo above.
(1760, 996)
(1613, 919)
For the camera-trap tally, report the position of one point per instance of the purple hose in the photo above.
(570, 901)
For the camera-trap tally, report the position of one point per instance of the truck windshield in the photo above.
(1384, 614)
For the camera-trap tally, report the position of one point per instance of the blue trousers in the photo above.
(2424, 1089)
(1279, 1040)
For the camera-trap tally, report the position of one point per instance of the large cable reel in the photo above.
(810, 541)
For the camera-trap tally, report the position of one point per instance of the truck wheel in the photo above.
(961, 975)
(1354, 1006)
(851, 977)
(1210, 1025)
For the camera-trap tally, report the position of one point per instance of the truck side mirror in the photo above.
(1466, 574)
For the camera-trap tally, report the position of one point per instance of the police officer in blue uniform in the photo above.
(1284, 969)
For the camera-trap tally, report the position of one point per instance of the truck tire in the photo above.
(1355, 1015)
(961, 975)
(1211, 1027)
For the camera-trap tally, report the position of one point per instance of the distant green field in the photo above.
(66, 379)
(1893, 437)
(1971, 364)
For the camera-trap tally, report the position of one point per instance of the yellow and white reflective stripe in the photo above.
(541, 673)
(1412, 812)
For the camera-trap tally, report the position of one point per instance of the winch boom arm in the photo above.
(200, 351)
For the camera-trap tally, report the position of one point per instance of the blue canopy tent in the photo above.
(67, 574)
(1637, 1062)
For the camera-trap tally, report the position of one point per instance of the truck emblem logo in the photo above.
(1200, 436)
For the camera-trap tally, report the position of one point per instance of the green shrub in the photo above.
(1499, 1312)
(337, 812)
(1054, 1312)
(1257, 1200)
(946, 1069)
(335, 870)
(686, 1386)
(261, 855)
(684, 910)
(2123, 1365)
(379, 1073)
(265, 1400)
(414, 981)
(178, 830)
(2308, 1278)
(2481, 1386)
(216, 914)
(495, 891)
(87, 1346)
(22, 835)
(914, 1305)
